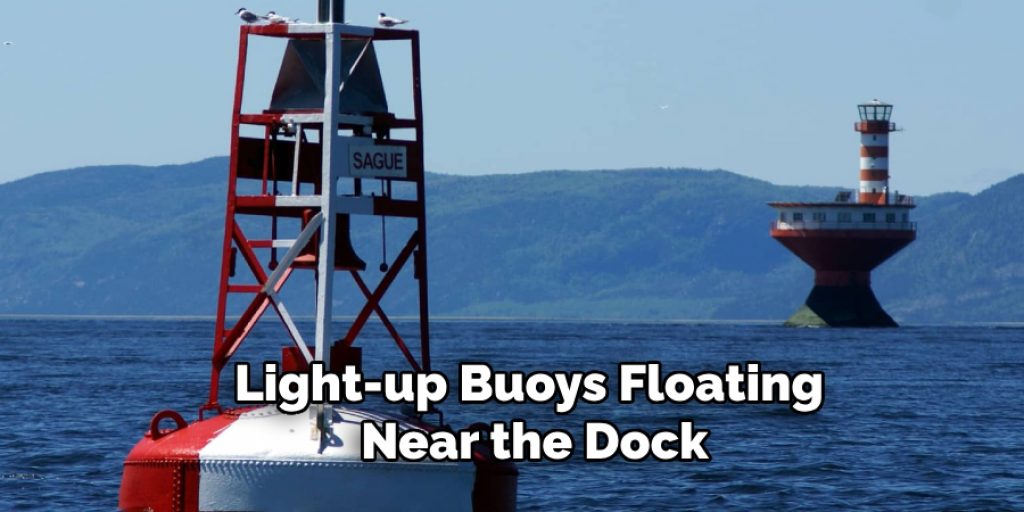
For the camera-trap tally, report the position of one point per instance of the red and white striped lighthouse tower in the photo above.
(874, 128)
(325, 148)
(844, 240)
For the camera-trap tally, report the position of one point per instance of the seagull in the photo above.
(276, 18)
(664, 107)
(249, 16)
(387, 21)
(8, 43)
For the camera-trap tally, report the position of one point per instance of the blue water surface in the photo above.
(916, 418)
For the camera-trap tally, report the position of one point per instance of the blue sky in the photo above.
(766, 89)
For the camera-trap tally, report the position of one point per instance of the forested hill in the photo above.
(638, 244)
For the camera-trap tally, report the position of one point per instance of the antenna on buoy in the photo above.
(330, 11)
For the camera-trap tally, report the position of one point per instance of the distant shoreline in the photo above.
(489, 319)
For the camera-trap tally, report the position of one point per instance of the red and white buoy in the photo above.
(301, 181)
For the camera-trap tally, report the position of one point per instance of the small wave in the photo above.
(21, 476)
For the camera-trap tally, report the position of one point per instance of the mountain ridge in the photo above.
(656, 244)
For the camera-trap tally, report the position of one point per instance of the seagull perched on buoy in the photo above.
(249, 16)
(387, 21)
(275, 18)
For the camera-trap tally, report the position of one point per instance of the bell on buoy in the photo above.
(345, 257)
(300, 80)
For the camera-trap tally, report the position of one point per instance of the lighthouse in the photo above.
(325, 148)
(845, 239)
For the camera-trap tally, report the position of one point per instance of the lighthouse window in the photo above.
(869, 217)
(890, 218)
(844, 217)
(798, 217)
(818, 216)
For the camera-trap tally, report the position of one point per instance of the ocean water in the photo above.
(917, 418)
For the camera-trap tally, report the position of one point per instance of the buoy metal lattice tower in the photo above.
(314, 163)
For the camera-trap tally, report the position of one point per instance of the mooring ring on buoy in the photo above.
(154, 424)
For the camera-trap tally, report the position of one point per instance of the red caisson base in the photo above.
(842, 261)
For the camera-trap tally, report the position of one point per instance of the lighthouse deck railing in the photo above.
(873, 226)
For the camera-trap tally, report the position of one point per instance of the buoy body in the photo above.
(261, 459)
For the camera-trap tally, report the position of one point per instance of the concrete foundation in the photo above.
(841, 306)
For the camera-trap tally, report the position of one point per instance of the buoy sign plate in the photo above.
(370, 161)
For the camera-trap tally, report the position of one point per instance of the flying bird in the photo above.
(249, 16)
(664, 107)
(387, 21)
(8, 43)
(276, 18)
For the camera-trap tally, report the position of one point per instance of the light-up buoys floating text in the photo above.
(295, 392)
